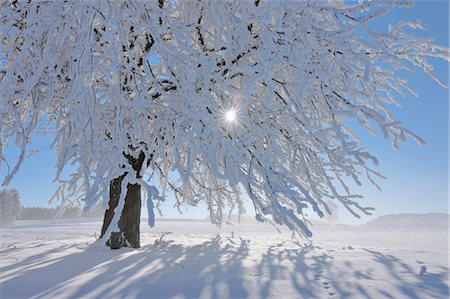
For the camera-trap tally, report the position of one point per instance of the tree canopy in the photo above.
(218, 97)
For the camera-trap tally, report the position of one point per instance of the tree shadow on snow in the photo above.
(314, 273)
(431, 285)
(219, 268)
(212, 269)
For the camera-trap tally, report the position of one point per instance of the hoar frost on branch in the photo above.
(113, 80)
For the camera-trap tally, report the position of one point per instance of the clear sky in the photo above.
(417, 177)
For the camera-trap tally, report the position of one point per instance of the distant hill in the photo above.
(411, 221)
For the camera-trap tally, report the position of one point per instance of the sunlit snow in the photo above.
(194, 259)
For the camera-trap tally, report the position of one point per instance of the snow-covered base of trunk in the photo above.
(128, 234)
(62, 260)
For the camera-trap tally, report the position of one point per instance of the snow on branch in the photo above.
(110, 79)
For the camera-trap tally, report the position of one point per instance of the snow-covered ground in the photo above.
(45, 259)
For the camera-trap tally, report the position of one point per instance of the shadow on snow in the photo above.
(219, 268)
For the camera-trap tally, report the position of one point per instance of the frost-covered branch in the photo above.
(111, 79)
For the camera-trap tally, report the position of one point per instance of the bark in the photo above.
(130, 218)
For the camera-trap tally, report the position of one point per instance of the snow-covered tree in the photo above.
(213, 98)
(9, 205)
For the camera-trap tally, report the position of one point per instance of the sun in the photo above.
(230, 115)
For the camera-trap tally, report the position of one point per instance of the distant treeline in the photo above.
(37, 213)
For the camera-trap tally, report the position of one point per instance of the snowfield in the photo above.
(181, 259)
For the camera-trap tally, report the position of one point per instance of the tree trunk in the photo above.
(130, 218)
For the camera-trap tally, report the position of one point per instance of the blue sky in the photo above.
(417, 177)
